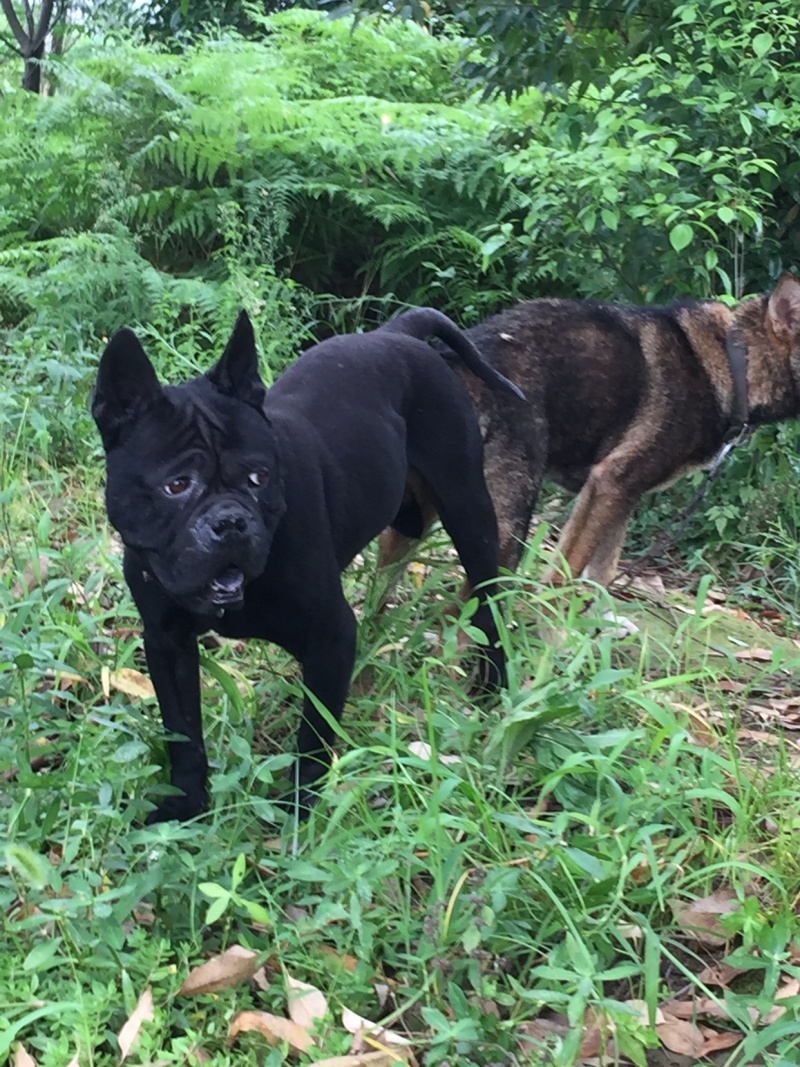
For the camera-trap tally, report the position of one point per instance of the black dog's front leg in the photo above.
(174, 664)
(327, 661)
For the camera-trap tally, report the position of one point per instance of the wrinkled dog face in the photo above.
(193, 474)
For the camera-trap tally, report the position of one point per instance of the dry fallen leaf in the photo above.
(690, 1009)
(237, 964)
(716, 1040)
(680, 1035)
(354, 1024)
(721, 974)
(699, 919)
(23, 1058)
(335, 960)
(703, 733)
(32, 576)
(642, 1009)
(142, 1013)
(132, 683)
(763, 655)
(424, 751)
(649, 582)
(272, 1027)
(365, 1059)
(306, 1004)
(729, 685)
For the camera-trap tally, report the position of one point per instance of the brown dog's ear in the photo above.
(783, 307)
(236, 375)
(126, 385)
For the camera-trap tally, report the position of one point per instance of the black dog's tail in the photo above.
(423, 323)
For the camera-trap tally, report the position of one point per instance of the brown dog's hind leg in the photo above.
(514, 475)
(417, 513)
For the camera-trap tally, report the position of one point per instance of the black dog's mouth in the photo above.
(227, 589)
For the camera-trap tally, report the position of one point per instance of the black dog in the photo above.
(239, 506)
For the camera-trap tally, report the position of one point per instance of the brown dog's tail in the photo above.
(423, 323)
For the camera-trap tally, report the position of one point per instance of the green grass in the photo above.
(493, 880)
(533, 874)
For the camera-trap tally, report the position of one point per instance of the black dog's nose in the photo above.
(228, 523)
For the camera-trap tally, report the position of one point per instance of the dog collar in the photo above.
(736, 352)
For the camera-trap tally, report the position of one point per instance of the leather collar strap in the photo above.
(736, 351)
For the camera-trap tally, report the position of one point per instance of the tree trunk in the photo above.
(31, 39)
(32, 77)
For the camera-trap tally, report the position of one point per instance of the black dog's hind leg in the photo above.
(470, 522)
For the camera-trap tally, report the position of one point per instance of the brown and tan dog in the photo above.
(621, 400)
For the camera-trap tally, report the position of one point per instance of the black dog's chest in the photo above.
(269, 614)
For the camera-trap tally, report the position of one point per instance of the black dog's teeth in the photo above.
(228, 582)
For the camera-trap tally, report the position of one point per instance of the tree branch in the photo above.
(14, 23)
(43, 27)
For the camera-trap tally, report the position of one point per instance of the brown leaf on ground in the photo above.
(334, 960)
(762, 655)
(306, 1004)
(700, 919)
(234, 966)
(33, 575)
(721, 974)
(132, 683)
(703, 733)
(680, 1035)
(785, 711)
(23, 1058)
(649, 582)
(761, 737)
(142, 1013)
(365, 1059)
(730, 685)
(272, 1027)
(542, 1029)
(716, 1040)
(705, 1006)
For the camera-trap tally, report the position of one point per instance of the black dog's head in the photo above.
(194, 484)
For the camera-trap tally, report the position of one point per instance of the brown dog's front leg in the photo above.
(593, 537)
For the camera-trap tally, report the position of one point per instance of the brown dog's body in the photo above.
(621, 400)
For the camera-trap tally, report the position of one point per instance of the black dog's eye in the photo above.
(257, 478)
(178, 486)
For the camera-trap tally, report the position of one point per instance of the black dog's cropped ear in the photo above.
(236, 374)
(126, 385)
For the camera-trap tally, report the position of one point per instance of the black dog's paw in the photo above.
(182, 808)
(490, 672)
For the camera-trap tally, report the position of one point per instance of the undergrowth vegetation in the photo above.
(490, 882)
